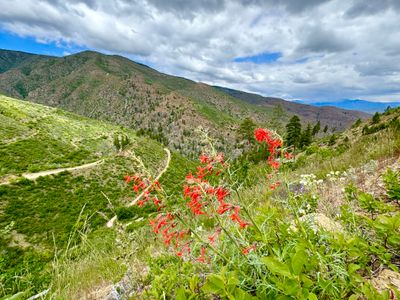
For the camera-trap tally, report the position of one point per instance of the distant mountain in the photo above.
(168, 108)
(331, 116)
(361, 105)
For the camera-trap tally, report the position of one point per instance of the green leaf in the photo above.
(214, 284)
(312, 296)
(180, 294)
(353, 267)
(242, 295)
(298, 261)
(276, 266)
(232, 279)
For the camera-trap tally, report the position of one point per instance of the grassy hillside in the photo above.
(168, 108)
(41, 218)
(330, 230)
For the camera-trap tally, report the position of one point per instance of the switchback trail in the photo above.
(33, 176)
(110, 223)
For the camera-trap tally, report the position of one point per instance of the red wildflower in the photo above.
(223, 207)
(261, 134)
(184, 248)
(128, 178)
(288, 155)
(202, 257)
(221, 193)
(274, 164)
(157, 184)
(214, 235)
(235, 217)
(220, 158)
(186, 191)
(204, 159)
(210, 190)
(235, 214)
(248, 249)
(275, 185)
(243, 224)
(156, 201)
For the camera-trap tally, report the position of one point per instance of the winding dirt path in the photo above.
(110, 223)
(33, 176)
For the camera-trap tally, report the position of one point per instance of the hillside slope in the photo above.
(329, 230)
(40, 218)
(168, 108)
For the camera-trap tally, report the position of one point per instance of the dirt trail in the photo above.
(110, 223)
(33, 176)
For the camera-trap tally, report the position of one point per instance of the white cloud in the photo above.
(330, 49)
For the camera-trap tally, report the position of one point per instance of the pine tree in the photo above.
(376, 118)
(246, 130)
(332, 140)
(325, 129)
(293, 132)
(278, 114)
(356, 123)
(306, 137)
(316, 128)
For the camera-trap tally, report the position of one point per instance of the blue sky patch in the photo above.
(11, 41)
(262, 58)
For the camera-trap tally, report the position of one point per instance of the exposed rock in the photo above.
(387, 279)
(319, 221)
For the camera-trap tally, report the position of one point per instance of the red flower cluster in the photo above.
(147, 187)
(203, 199)
(165, 224)
(202, 257)
(264, 135)
(202, 194)
(235, 217)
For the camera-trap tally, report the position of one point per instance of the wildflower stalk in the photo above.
(199, 238)
(245, 209)
(228, 234)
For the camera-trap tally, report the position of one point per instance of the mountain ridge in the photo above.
(168, 108)
(354, 104)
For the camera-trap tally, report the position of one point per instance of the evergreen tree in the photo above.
(325, 129)
(306, 137)
(316, 128)
(376, 118)
(293, 132)
(387, 110)
(357, 123)
(121, 141)
(278, 114)
(332, 140)
(246, 130)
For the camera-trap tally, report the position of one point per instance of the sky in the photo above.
(319, 50)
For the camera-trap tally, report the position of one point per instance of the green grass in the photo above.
(45, 212)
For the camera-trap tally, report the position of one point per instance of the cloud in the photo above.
(317, 39)
(327, 49)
